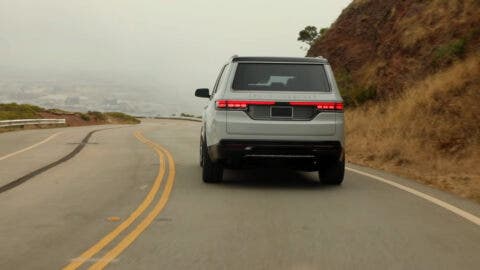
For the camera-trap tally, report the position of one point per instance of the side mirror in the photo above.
(202, 92)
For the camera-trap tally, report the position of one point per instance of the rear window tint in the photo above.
(281, 77)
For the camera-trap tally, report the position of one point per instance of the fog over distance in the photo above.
(142, 57)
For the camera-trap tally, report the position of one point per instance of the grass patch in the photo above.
(430, 132)
(12, 111)
(448, 52)
(121, 118)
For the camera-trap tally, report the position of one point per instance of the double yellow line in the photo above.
(130, 237)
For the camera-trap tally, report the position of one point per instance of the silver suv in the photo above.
(273, 112)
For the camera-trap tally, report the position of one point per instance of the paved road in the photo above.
(133, 199)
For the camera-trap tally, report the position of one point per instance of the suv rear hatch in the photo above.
(282, 99)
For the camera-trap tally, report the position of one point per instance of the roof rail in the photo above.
(278, 59)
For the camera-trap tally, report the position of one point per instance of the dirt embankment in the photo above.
(410, 71)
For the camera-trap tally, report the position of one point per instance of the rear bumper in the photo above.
(232, 152)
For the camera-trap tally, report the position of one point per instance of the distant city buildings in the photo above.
(73, 92)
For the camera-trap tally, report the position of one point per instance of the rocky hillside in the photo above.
(410, 71)
(379, 47)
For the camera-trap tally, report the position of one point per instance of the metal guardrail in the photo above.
(23, 122)
(181, 118)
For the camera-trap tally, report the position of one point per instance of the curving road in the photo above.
(132, 198)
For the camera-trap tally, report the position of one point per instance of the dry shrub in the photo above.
(431, 132)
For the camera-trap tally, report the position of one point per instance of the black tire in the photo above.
(332, 173)
(212, 171)
(201, 152)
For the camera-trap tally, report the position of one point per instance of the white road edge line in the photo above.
(30, 147)
(464, 214)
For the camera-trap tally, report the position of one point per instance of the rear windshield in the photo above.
(281, 77)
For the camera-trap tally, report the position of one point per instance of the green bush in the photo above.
(97, 115)
(84, 117)
(323, 31)
(365, 94)
(450, 51)
(353, 94)
(345, 85)
(58, 111)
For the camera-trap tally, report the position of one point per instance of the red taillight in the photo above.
(240, 104)
(221, 104)
(329, 106)
(243, 104)
(339, 106)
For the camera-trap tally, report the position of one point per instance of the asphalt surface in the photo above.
(139, 189)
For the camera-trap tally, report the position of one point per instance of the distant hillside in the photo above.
(14, 111)
(410, 71)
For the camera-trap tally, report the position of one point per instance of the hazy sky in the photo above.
(178, 44)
